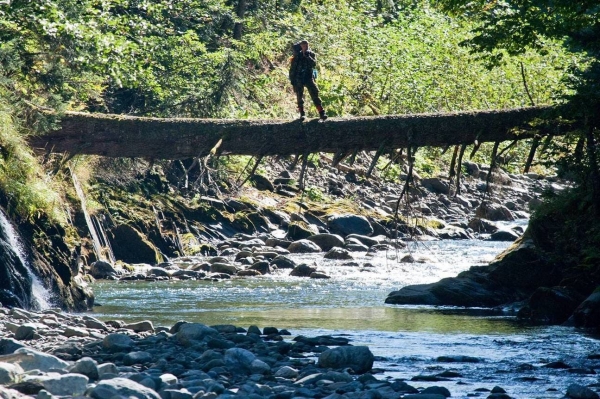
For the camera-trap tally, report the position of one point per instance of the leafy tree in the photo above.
(514, 27)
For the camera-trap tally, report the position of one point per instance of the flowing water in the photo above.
(406, 339)
(40, 294)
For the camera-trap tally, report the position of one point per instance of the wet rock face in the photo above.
(15, 285)
(49, 259)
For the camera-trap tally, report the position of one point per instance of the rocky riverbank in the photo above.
(51, 354)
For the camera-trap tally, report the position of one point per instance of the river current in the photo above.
(407, 340)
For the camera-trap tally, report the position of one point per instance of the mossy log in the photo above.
(127, 136)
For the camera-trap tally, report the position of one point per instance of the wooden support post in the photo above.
(375, 159)
(534, 145)
(353, 158)
(258, 159)
(303, 172)
(459, 168)
(453, 163)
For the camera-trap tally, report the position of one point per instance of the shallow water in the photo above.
(408, 339)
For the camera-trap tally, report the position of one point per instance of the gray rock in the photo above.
(263, 267)
(30, 359)
(117, 342)
(86, 366)
(28, 331)
(319, 275)
(101, 269)
(158, 272)
(494, 212)
(338, 253)
(107, 368)
(359, 358)
(223, 268)
(327, 241)
(190, 333)
(283, 262)
(9, 373)
(140, 326)
(65, 384)
(303, 247)
(437, 391)
(303, 270)
(94, 323)
(504, 235)
(287, 372)
(239, 360)
(576, 391)
(436, 185)
(349, 224)
(423, 396)
(482, 226)
(76, 332)
(366, 240)
(259, 367)
(122, 387)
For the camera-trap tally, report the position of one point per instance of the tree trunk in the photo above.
(240, 12)
(126, 136)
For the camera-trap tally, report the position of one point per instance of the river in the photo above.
(407, 340)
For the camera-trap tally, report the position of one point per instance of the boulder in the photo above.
(587, 314)
(63, 385)
(189, 333)
(358, 358)
(366, 240)
(495, 212)
(102, 270)
(122, 387)
(287, 372)
(30, 359)
(117, 342)
(140, 326)
(327, 241)
(551, 305)
(86, 366)
(505, 280)
(223, 268)
(436, 185)
(304, 247)
(303, 270)
(338, 253)
(283, 262)
(263, 267)
(349, 224)
(576, 391)
(239, 360)
(158, 272)
(480, 225)
(299, 230)
(504, 235)
(9, 345)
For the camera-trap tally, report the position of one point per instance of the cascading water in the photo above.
(41, 297)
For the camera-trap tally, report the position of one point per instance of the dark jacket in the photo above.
(301, 68)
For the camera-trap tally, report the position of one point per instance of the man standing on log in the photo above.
(303, 74)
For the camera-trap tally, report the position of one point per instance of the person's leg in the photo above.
(313, 90)
(300, 99)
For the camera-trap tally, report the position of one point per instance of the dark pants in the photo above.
(313, 90)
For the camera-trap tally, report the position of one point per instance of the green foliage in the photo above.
(28, 191)
(315, 194)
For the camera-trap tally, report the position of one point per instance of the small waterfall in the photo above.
(41, 296)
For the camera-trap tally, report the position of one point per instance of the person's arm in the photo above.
(312, 59)
(293, 67)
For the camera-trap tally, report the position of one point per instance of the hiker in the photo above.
(303, 74)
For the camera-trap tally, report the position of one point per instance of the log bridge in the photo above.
(180, 138)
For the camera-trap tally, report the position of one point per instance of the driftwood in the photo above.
(126, 136)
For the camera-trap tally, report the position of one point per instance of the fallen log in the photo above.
(179, 138)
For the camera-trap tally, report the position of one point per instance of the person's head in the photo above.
(304, 45)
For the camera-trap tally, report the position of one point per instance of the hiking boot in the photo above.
(322, 115)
